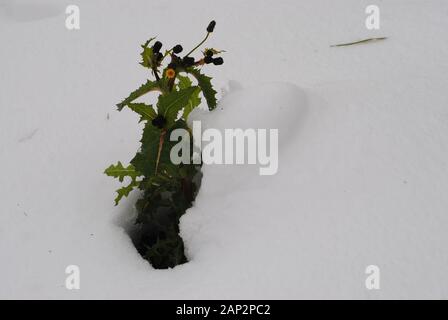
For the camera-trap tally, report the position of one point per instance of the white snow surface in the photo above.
(362, 158)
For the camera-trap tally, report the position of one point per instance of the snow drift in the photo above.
(362, 156)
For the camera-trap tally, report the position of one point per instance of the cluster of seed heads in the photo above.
(178, 62)
(186, 61)
(209, 58)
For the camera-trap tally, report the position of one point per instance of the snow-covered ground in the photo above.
(363, 155)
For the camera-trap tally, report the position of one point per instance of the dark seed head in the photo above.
(188, 61)
(159, 56)
(177, 49)
(175, 59)
(157, 46)
(211, 26)
(208, 60)
(218, 61)
(159, 121)
(209, 53)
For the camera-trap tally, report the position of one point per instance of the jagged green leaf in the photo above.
(205, 84)
(120, 172)
(145, 111)
(171, 103)
(194, 101)
(184, 82)
(124, 191)
(145, 160)
(143, 89)
(147, 55)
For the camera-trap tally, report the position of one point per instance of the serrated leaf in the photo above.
(194, 101)
(171, 103)
(120, 172)
(124, 191)
(143, 89)
(148, 42)
(147, 55)
(145, 160)
(184, 82)
(145, 111)
(205, 84)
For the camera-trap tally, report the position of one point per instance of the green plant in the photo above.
(168, 189)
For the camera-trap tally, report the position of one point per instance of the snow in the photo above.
(362, 155)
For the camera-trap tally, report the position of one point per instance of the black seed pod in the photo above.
(159, 121)
(218, 61)
(172, 66)
(208, 60)
(211, 26)
(209, 53)
(159, 56)
(188, 61)
(157, 46)
(178, 49)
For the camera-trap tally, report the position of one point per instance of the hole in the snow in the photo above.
(155, 230)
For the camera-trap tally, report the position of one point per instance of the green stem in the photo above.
(168, 52)
(154, 70)
(208, 33)
(161, 140)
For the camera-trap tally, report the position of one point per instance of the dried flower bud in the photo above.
(177, 49)
(211, 26)
(218, 61)
(188, 61)
(157, 46)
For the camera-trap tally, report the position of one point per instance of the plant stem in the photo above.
(154, 70)
(161, 140)
(208, 33)
(168, 52)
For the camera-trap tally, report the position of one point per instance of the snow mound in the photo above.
(266, 106)
(280, 106)
(221, 202)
